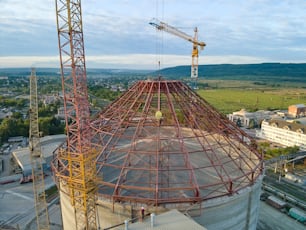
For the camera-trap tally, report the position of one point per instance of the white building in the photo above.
(283, 132)
(244, 117)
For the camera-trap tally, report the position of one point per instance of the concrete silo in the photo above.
(162, 146)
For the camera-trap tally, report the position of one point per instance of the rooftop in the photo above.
(48, 145)
(171, 220)
(292, 126)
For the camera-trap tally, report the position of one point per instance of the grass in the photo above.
(238, 95)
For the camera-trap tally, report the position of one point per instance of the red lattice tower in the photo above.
(75, 166)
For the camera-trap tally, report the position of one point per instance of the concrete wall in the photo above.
(68, 215)
(237, 212)
(111, 214)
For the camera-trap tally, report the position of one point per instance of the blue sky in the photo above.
(118, 35)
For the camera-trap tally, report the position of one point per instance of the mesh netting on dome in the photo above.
(162, 143)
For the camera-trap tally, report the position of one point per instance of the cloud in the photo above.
(252, 30)
(29, 61)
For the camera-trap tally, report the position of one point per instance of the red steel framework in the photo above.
(162, 143)
(74, 166)
(159, 143)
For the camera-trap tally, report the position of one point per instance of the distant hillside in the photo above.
(91, 72)
(13, 72)
(256, 72)
(264, 72)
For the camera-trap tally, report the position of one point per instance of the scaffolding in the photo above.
(41, 207)
(74, 166)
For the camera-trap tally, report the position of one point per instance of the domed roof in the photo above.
(162, 143)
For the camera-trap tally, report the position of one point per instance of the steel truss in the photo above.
(40, 203)
(162, 143)
(75, 166)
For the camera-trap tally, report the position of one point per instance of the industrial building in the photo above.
(245, 118)
(164, 147)
(283, 132)
(48, 145)
(298, 110)
(159, 146)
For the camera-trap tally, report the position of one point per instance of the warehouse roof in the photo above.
(295, 127)
(48, 145)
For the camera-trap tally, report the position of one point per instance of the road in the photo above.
(17, 207)
(17, 204)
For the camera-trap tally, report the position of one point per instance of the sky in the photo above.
(117, 33)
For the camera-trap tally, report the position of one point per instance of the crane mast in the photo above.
(40, 203)
(76, 170)
(194, 40)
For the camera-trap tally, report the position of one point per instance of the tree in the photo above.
(11, 127)
(50, 126)
(17, 115)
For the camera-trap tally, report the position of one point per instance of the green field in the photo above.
(229, 96)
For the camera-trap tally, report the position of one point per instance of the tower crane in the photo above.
(75, 168)
(40, 203)
(194, 40)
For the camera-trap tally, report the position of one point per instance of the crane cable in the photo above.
(159, 52)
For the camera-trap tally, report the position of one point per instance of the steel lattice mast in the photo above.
(41, 208)
(76, 167)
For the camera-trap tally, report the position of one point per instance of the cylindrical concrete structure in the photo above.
(236, 212)
(189, 157)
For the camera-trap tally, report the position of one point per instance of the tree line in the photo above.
(18, 125)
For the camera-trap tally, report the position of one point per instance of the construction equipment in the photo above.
(76, 169)
(40, 203)
(194, 40)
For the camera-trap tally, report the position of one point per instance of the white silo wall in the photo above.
(237, 212)
(68, 215)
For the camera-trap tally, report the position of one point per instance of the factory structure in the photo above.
(48, 145)
(159, 152)
(156, 148)
(163, 147)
